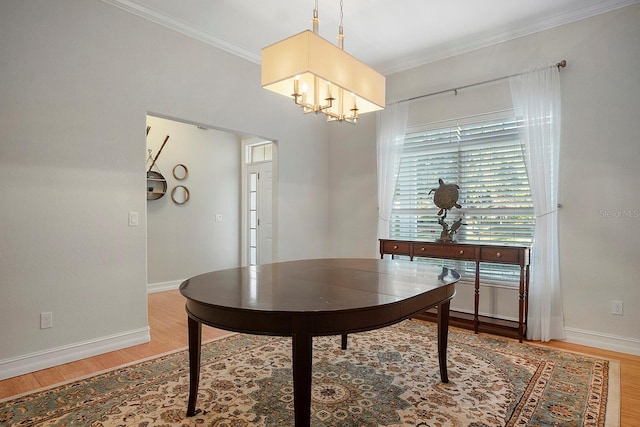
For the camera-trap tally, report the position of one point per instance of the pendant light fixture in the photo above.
(321, 77)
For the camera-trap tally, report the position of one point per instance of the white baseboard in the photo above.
(163, 286)
(603, 341)
(587, 338)
(57, 356)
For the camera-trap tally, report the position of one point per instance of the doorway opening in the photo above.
(198, 223)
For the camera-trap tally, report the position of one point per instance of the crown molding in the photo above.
(446, 50)
(480, 41)
(185, 28)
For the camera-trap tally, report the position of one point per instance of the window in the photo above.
(261, 152)
(485, 159)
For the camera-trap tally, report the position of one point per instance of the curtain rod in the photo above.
(560, 64)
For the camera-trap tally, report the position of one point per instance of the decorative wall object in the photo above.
(156, 183)
(180, 195)
(180, 172)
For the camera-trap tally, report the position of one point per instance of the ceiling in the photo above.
(388, 35)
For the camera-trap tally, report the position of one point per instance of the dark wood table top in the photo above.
(337, 293)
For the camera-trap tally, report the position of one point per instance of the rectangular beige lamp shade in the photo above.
(323, 70)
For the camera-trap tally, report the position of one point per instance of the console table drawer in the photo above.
(443, 251)
(397, 248)
(500, 255)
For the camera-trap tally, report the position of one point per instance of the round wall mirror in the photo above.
(180, 195)
(180, 172)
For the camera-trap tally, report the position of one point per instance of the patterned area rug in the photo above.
(387, 377)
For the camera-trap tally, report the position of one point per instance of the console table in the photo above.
(515, 255)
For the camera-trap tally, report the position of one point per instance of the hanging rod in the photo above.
(455, 90)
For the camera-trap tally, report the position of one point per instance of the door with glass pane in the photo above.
(260, 213)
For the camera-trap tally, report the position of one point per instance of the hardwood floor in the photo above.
(168, 323)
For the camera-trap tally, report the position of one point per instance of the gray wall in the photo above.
(599, 162)
(77, 81)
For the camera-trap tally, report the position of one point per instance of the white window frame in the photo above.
(488, 219)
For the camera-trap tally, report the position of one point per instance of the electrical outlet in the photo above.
(46, 320)
(616, 307)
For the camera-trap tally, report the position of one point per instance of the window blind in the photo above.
(486, 160)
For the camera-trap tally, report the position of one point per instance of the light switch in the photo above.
(218, 217)
(133, 219)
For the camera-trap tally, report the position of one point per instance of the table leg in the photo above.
(344, 342)
(521, 306)
(302, 359)
(443, 337)
(526, 299)
(476, 299)
(195, 341)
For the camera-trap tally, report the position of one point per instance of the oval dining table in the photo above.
(314, 297)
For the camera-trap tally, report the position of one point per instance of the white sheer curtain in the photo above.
(536, 99)
(391, 127)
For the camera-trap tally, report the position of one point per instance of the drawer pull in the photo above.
(461, 252)
(498, 255)
(395, 246)
(423, 249)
